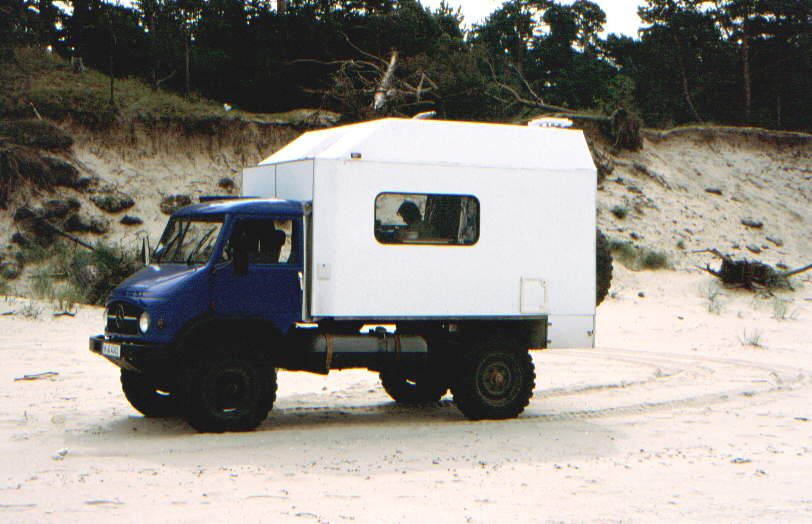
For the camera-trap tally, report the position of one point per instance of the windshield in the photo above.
(188, 240)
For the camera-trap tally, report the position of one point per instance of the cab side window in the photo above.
(263, 241)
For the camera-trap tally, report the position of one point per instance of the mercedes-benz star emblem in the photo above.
(120, 316)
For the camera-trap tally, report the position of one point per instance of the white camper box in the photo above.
(535, 253)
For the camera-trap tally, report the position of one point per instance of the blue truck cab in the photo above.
(217, 263)
(217, 260)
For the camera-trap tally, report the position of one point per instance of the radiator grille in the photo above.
(122, 319)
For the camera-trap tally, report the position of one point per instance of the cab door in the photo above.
(260, 272)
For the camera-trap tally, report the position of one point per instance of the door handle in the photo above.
(301, 281)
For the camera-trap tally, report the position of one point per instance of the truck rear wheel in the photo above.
(603, 267)
(228, 394)
(494, 384)
(148, 399)
(413, 389)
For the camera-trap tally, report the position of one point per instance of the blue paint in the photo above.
(177, 294)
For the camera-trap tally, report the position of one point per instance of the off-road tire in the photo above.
(419, 389)
(227, 393)
(145, 397)
(494, 383)
(603, 267)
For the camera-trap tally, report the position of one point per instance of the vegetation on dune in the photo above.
(637, 258)
(733, 62)
(72, 274)
(46, 85)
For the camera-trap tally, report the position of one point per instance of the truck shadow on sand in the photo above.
(442, 415)
(295, 438)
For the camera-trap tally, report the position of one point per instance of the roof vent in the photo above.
(427, 115)
(549, 121)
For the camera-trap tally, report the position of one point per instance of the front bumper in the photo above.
(133, 356)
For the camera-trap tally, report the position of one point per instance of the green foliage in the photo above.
(34, 133)
(713, 295)
(94, 274)
(637, 258)
(71, 274)
(58, 93)
(734, 62)
(618, 93)
(34, 252)
(620, 211)
(653, 260)
(21, 167)
(782, 311)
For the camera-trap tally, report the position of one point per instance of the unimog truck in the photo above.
(434, 253)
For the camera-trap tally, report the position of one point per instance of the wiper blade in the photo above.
(198, 246)
(163, 251)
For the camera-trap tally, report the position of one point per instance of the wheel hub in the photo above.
(496, 380)
(229, 391)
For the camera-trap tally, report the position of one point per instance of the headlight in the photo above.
(143, 322)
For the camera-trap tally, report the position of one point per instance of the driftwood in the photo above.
(750, 274)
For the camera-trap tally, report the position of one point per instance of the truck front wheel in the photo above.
(494, 384)
(227, 394)
(414, 389)
(148, 399)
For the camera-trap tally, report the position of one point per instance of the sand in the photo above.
(675, 417)
(693, 407)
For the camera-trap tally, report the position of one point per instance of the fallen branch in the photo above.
(66, 235)
(748, 273)
(797, 271)
(382, 92)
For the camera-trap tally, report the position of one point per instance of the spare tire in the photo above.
(603, 267)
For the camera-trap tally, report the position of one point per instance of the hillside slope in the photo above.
(687, 189)
(745, 192)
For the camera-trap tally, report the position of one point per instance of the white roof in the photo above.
(443, 142)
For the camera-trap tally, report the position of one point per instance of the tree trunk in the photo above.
(112, 46)
(686, 92)
(386, 82)
(748, 88)
(186, 50)
(47, 20)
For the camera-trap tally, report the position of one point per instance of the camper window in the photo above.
(411, 218)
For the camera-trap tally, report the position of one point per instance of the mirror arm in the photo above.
(145, 251)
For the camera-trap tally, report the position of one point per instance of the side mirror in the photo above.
(145, 251)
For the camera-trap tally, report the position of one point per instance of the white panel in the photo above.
(259, 181)
(534, 295)
(571, 332)
(294, 180)
(538, 223)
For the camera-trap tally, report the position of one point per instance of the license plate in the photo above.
(111, 350)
